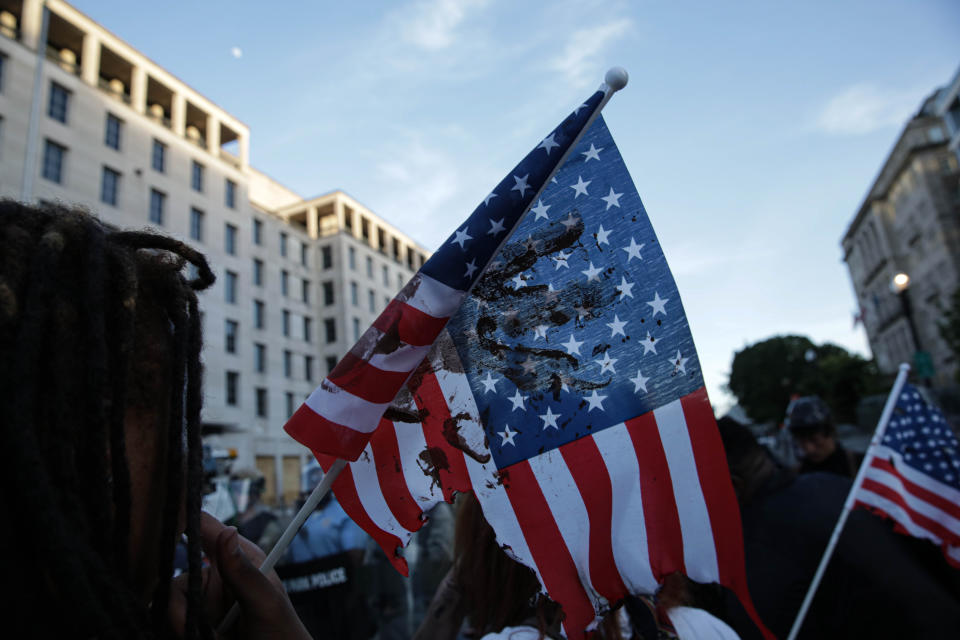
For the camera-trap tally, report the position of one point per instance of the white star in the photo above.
(602, 236)
(625, 288)
(548, 144)
(577, 110)
(471, 267)
(616, 327)
(596, 401)
(639, 382)
(521, 185)
(518, 282)
(580, 187)
(658, 304)
(561, 260)
(541, 210)
(489, 384)
(507, 435)
(592, 153)
(633, 251)
(612, 199)
(461, 237)
(549, 419)
(540, 331)
(606, 363)
(650, 344)
(490, 196)
(569, 222)
(593, 273)
(679, 363)
(496, 226)
(572, 346)
(517, 401)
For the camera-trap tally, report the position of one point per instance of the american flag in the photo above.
(913, 476)
(566, 393)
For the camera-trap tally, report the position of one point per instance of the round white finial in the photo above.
(616, 78)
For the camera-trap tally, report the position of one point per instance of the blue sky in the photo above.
(752, 132)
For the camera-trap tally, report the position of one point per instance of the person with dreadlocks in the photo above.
(100, 398)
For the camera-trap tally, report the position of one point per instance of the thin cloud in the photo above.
(432, 24)
(580, 58)
(864, 108)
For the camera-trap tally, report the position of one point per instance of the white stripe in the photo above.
(403, 358)
(919, 505)
(954, 554)
(365, 479)
(411, 443)
(929, 483)
(435, 298)
(344, 408)
(896, 512)
(569, 512)
(628, 529)
(699, 552)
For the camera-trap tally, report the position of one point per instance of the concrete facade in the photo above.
(909, 223)
(89, 85)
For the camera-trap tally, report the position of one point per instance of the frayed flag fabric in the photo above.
(913, 476)
(566, 393)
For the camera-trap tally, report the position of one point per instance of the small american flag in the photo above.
(914, 474)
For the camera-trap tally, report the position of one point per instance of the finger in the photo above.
(177, 607)
(210, 528)
(251, 587)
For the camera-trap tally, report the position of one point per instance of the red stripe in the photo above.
(919, 491)
(358, 377)
(408, 324)
(315, 432)
(550, 553)
(386, 454)
(720, 498)
(592, 478)
(447, 461)
(918, 518)
(664, 537)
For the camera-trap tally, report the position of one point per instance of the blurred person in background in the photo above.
(815, 436)
(255, 520)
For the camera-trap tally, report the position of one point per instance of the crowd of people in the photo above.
(100, 374)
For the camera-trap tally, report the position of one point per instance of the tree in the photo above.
(950, 326)
(766, 374)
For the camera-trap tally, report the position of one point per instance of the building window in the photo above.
(284, 281)
(372, 301)
(356, 329)
(353, 258)
(196, 224)
(233, 384)
(259, 357)
(354, 299)
(111, 136)
(257, 232)
(304, 252)
(305, 291)
(230, 239)
(230, 194)
(158, 201)
(328, 293)
(53, 157)
(330, 329)
(258, 272)
(230, 287)
(109, 186)
(59, 101)
(326, 255)
(283, 244)
(230, 331)
(261, 402)
(286, 323)
(308, 368)
(290, 403)
(196, 176)
(307, 329)
(158, 158)
(386, 301)
(369, 267)
(287, 364)
(331, 363)
(400, 281)
(386, 276)
(259, 314)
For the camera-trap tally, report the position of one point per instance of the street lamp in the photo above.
(923, 364)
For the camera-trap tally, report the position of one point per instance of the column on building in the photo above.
(213, 135)
(178, 117)
(244, 142)
(90, 63)
(138, 89)
(313, 222)
(31, 22)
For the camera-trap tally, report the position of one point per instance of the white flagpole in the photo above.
(851, 498)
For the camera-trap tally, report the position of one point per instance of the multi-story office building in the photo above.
(85, 118)
(909, 224)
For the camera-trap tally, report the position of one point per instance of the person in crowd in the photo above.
(100, 393)
(256, 521)
(815, 435)
(879, 584)
(434, 557)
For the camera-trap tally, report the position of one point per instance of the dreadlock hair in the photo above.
(95, 323)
